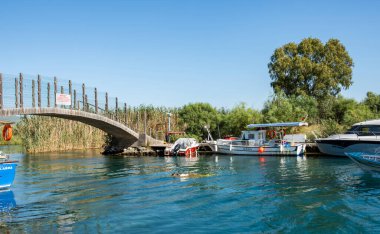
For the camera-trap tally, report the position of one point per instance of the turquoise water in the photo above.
(88, 193)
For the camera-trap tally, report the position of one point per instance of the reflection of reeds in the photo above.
(44, 134)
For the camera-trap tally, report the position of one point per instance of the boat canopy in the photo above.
(286, 124)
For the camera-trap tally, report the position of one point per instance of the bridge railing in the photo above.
(28, 91)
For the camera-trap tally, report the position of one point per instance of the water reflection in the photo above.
(7, 200)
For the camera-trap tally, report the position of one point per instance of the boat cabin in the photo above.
(253, 135)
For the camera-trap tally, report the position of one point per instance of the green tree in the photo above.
(311, 68)
(372, 100)
(195, 116)
(282, 108)
(238, 118)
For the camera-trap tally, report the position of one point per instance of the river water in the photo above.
(85, 192)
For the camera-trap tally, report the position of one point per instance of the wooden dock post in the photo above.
(33, 94)
(21, 91)
(96, 101)
(70, 93)
(16, 92)
(48, 95)
(55, 91)
(1, 91)
(39, 91)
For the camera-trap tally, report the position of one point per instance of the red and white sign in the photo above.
(63, 99)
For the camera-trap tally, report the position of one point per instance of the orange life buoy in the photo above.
(7, 132)
(283, 133)
(271, 134)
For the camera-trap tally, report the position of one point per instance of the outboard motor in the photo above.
(176, 149)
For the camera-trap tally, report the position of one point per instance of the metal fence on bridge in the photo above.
(27, 91)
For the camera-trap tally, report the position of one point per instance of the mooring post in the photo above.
(117, 109)
(16, 92)
(96, 100)
(55, 91)
(70, 93)
(1, 91)
(125, 114)
(48, 95)
(39, 91)
(21, 91)
(83, 95)
(75, 99)
(33, 94)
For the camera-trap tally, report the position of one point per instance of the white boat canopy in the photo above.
(286, 124)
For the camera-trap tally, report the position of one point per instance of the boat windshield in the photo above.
(365, 130)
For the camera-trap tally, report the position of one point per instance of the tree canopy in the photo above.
(311, 68)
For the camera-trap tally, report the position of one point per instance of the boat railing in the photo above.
(360, 134)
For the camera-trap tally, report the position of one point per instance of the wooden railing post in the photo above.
(39, 91)
(48, 95)
(1, 91)
(86, 103)
(55, 91)
(117, 109)
(70, 93)
(125, 114)
(75, 99)
(106, 105)
(21, 91)
(33, 94)
(96, 101)
(84, 96)
(16, 92)
(145, 120)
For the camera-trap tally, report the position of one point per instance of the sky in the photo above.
(174, 52)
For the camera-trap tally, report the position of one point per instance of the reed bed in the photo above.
(48, 134)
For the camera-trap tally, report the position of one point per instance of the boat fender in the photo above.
(261, 149)
(7, 132)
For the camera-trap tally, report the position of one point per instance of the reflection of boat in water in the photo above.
(361, 137)
(366, 161)
(7, 200)
(265, 142)
(7, 171)
(183, 147)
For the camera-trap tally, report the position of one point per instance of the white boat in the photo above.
(361, 137)
(366, 161)
(183, 147)
(263, 141)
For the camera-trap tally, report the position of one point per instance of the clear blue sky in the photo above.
(172, 52)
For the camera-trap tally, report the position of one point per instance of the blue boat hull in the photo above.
(365, 160)
(7, 174)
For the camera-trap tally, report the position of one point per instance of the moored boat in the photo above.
(361, 137)
(183, 147)
(7, 171)
(365, 160)
(264, 141)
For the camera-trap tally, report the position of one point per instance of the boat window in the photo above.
(251, 136)
(368, 130)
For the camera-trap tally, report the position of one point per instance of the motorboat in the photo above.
(361, 137)
(365, 160)
(265, 139)
(183, 147)
(7, 171)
